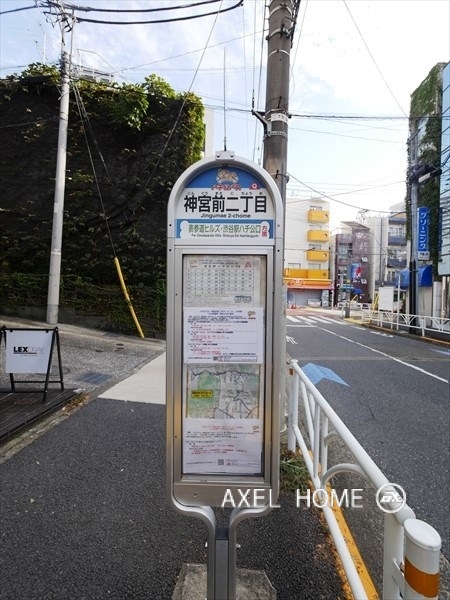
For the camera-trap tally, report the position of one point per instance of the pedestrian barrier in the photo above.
(418, 323)
(411, 547)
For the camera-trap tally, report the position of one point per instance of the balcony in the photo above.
(317, 255)
(318, 274)
(308, 283)
(318, 235)
(318, 216)
(396, 240)
(295, 273)
(396, 263)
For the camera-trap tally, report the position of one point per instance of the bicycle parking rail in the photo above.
(407, 541)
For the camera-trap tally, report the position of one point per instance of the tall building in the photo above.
(427, 200)
(444, 200)
(307, 252)
(388, 254)
(351, 256)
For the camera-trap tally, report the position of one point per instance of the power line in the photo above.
(14, 10)
(172, 20)
(172, 131)
(323, 195)
(373, 59)
(140, 10)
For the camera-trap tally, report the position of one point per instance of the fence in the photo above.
(406, 576)
(424, 325)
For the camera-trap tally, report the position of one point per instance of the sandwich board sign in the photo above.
(224, 334)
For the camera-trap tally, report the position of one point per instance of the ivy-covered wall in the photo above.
(127, 145)
(426, 101)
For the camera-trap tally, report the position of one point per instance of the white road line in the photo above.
(304, 320)
(322, 320)
(334, 321)
(402, 362)
(326, 320)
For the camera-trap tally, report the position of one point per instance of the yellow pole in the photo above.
(127, 297)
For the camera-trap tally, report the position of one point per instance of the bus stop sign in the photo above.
(224, 334)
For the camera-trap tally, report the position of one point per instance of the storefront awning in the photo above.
(424, 277)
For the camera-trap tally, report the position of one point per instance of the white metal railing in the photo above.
(323, 426)
(397, 320)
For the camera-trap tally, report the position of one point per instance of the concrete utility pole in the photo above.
(60, 181)
(282, 17)
(413, 262)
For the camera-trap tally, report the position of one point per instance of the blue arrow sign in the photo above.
(315, 373)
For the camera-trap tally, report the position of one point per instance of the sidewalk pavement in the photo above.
(84, 509)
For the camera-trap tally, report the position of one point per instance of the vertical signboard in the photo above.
(423, 226)
(225, 241)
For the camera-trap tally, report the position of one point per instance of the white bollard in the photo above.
(421, 568)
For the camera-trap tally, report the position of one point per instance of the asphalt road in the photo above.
(84, 513)
(392, 392)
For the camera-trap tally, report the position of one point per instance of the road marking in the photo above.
(326, 320)
(383, 334)
(290, 340)
(322, 320)
(446, 352)
(402, 362)
(316, 373)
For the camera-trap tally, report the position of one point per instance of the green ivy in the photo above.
(426, 102)
(127, 146)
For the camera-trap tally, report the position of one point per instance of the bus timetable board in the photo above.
(223, 324)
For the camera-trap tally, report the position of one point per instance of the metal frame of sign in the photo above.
(225, 349)
(54, 340)
(223, 207)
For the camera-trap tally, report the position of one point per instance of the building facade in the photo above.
(427, 195)
(351, 257)
(388, 254)
(307, 252)
(444, 199)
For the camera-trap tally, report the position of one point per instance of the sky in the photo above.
(354, 65)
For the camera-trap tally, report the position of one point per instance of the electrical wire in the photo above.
(140, 10)
(186, 18)
(14, 10)
(323, 195)
(373, 59)
(375, 187)
(172, 131)
(87, 125)
(259, 92)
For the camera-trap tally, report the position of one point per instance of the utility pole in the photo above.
(282, 19)
(60, 180)
(413, 287)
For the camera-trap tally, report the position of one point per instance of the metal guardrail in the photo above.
(426, 325)
(411, 547)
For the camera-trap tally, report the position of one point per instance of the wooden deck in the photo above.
(20, 408)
